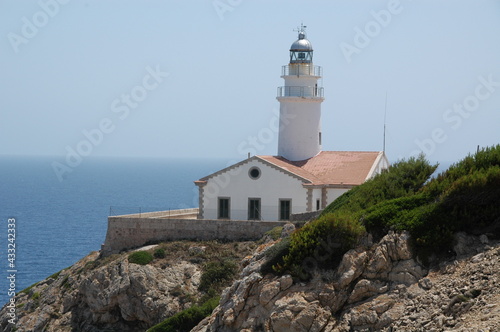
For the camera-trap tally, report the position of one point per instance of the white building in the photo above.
(302, 178)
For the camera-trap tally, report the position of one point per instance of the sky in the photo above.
(178, 79)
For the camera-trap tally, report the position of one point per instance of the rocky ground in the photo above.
(377, 287)
(380, 287)
(111, 294)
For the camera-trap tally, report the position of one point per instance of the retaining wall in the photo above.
(305, 216)
(125, 232)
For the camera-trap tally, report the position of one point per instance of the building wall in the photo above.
(334, 193)
(270, 187)
(125, 232)
(300, 126)
(315, 197)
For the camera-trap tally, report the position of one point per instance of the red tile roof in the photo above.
(330, 167)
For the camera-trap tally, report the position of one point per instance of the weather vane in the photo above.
(302, 28)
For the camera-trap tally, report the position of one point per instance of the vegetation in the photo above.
(65, 282)
(321, 242)
(159, 253)
(275, 233)
(463, 198)
(275, 254)
(28, 289)
(55, 275)
(405, 178)
(185, 320)
(140, 257)
(217, 274)
(219, 270)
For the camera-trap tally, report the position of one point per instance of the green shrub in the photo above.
(274, 255)
(185, 320)
(140, 257)
(463, 198)
(404, 178)
(216, 274)
(321, 242)
(472, 201)
(482, 160)
(160, 253)
(392, 214)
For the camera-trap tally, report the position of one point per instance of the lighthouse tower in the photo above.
(300, 103)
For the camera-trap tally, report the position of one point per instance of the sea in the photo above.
(58, 221)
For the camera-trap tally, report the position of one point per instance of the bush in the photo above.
(159, 253)
(463, 198)
(472, 201)
(216, 274)
(140, 257)
(404, 178)
(185, 320)
(321, 242)
(274, 255)
(392, 214)
(484, 159)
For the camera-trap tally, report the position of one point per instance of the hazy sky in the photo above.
(199, 78)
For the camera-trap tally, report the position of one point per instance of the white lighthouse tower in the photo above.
(300, 103)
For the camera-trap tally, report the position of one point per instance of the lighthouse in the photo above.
(300, 103)
(302, 177)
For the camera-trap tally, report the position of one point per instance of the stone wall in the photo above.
(306, 216)
(125, 232)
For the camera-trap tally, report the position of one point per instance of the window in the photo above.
(317, 204)
(254, 209)
(254, 173)
(285, 209)
(223, 212)
(302, 55)
(320, 138)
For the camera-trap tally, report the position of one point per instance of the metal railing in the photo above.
(301, 70)
(151, 212)
(300, 91)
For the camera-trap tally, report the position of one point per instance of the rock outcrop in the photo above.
(377, 287)
(112, 294)
(119, 295)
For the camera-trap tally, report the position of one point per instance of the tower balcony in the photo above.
(301, 69)
(300, 91)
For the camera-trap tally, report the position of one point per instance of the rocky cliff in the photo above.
(376, 287)
(112, 294)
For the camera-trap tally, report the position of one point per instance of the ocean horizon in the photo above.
(59, 222)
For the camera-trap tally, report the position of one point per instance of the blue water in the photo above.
(59, 222)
